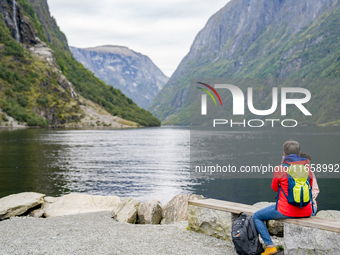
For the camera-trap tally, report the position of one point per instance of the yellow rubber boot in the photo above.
(270, 250)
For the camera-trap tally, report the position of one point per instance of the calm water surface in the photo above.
(141, 163)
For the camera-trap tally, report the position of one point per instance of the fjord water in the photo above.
(141, 163)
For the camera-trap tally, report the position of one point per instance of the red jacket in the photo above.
(280, 177)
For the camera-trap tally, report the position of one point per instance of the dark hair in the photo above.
(305, 155)
(291, 147)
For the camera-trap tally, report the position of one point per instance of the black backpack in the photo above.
(245, 236)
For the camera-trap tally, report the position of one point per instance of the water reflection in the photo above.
(141, 163)
(147, 163)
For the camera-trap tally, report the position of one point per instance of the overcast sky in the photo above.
(161, 29)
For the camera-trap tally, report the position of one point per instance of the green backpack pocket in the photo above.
(299, 188)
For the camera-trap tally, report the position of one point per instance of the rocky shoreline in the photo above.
(21, 213)
(84, 224)
(124, 210)
(95, 117)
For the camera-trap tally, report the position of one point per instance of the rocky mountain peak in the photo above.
(234, 28)
(252, 38)
(131, 72)
(113, 49)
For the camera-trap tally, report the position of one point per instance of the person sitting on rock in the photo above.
(315, 188)
(282, 209)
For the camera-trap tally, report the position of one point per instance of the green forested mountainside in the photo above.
(27, 83)
(29, 86)
(279, 49)
(94, 89)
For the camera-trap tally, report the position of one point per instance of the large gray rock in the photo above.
(177, 208)
(274, 227)
(304, 240)
(210, 222)
(330, 214)
(127, 210)
(79, 203)
(150, 212)
(19, 203)
(301, 240)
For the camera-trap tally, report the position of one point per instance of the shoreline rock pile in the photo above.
(18, 204)
(124, 210)
(150, 212)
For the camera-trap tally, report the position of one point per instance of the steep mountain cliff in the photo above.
(49, 27)
(131, 72)
(259, 38)
(41, 84)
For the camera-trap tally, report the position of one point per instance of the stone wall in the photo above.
(211, 222)
(301, 240)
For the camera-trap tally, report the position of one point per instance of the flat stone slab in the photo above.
(78, 203)
(18, 204)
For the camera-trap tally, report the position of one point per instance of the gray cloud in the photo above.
(163, 30)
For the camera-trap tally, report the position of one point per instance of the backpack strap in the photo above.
(301, 197)
(241, 214)
(280, 189)
(252, 227)
(286, 165)
(311, 197)
(310, 194)
(278, 195)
